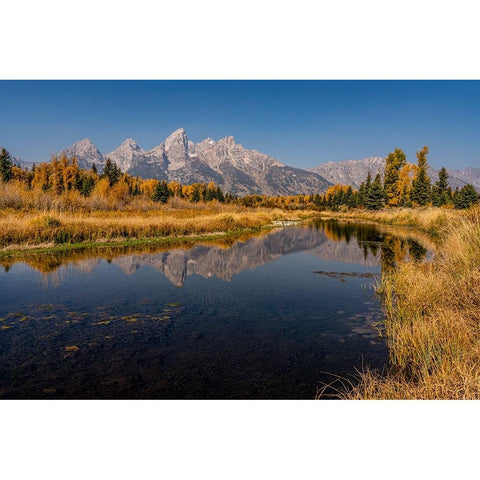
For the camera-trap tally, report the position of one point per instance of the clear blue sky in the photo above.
(301, 123)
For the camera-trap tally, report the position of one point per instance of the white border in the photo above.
(248, 39)
(239, 440)
(239, 40)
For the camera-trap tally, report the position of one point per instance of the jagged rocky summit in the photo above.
(227, 163)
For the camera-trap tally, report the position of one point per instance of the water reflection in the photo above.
(330, 240)
(392, 245)
(260, 316)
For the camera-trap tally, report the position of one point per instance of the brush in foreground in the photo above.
(432, 322)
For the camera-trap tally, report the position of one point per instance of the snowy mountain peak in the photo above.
(207, 143)
(176, 149)
(127, 147)
(130, 142)
(230, 140)
(178, 135)
(127, 154)
(84, 142)
(86, 152)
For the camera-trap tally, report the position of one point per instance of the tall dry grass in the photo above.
(35, 228)
(35, 218)
(432, 321)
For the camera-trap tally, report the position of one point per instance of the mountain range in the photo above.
(234, 168)
(227, 163)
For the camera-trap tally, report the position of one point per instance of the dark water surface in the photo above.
(271, 316)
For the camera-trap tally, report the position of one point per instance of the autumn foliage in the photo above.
(61, 185)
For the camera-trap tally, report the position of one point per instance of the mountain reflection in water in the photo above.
(329, 240)
(272, 315)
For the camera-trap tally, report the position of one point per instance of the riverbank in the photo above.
(432, 315)
(431, 220)
(54, 231)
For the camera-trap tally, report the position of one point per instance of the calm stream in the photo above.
(273, 316)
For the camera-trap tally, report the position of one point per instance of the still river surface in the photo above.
(277, 315)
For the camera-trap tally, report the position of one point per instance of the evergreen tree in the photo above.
(84, 184)
(465, 197)
(470, 195)
(440, 192)
(112, 172)
(135, 190)
(455, 193)
(421, 183)
(361, 194)
(213, 192)
(449, 193)
(354, 202)
(364, 192)
(6, 166)
(196, 197)
(94, 168)
(230, 198)
(368, 182)
(375, 196)
(350, 198)
(161, 192)
(220, 197)
(395, 161)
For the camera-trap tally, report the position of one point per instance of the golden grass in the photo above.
(19, 230)
(432, 320)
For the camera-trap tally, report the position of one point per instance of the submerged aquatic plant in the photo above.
(72, 348)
